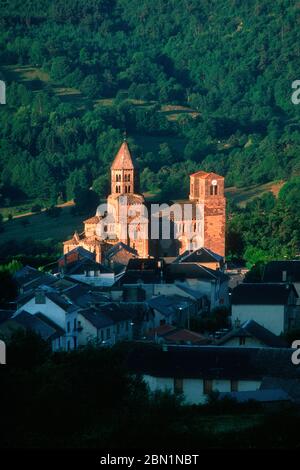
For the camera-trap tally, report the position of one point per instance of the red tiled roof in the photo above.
(204, 174)
(160, 330)
(92, 220)
(186, 335)
(123, 160)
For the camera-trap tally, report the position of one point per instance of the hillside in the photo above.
(196, 84)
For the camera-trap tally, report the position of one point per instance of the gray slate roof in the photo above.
(213, 362)
(39, 324)
(273, 271)
(253, 329)
(202, 255)
(30, 278)
(108, 314)
(169, 304)
(262, 294)
(183, 270)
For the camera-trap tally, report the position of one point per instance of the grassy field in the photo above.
(243, 195)
(42, 227)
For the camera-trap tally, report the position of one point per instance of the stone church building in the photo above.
(126, 220)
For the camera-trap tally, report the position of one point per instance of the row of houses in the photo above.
(149, 294)
(153, 302)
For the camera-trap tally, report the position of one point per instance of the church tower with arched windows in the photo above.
(207, 189)
(123, 173)
(124, 188)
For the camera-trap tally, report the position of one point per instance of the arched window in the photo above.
(128, 177)
(125, 189)
(129, 189)
(116, 189)
(213, 190)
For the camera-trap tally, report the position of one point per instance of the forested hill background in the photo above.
(195, 83)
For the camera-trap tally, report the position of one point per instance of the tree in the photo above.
(8, 287)
(101, 186)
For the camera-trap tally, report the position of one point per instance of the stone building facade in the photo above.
(124, 219)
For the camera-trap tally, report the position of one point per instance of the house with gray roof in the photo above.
(105, 325)
(197, 371)
(39, 324)
(47, 301)
(252, 335)
(271, 305)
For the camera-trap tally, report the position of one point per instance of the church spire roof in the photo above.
(123, 159)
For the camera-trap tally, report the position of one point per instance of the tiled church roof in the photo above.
(123, 160)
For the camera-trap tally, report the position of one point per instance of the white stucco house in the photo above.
(89, 272)
(195, 372)
(105, 325)
(273, 306)
(48, 302)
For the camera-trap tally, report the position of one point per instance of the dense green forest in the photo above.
(83, 410)
(230, 63)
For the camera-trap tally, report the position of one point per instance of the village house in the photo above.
(270, 305)
(48, 302)
(251, 335)
(105, 325)
(287, 271)
(168, 334)
(172, 310)
(209, 288)
(89, 272)
(202, 256)
(39, 324)
(195, 372)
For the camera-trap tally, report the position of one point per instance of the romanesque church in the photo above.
(206, 191)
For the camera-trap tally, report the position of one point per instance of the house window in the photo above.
(68, 327)
(75, 324)
(75, 343)
(178, 385)
(108, 333)
(234, 385)
(162, 322)
(129, 189)
(242, 340)
(207, 387)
